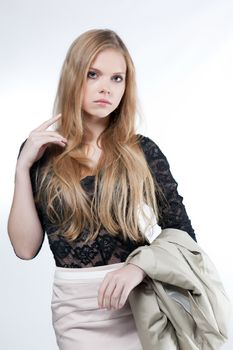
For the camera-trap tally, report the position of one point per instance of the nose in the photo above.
(105, 91)
(104, 86)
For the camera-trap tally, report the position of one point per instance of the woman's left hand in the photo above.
(117, 285)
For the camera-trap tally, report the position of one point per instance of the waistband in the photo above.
(85, 272)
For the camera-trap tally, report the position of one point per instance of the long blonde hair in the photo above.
(122, 177)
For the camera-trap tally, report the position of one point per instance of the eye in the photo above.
(91, 73)
(118, 76)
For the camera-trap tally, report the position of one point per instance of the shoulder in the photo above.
(147, 142)
(150, 148)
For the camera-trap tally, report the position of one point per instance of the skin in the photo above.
(104, 83)
(116, 285)
(37, 142)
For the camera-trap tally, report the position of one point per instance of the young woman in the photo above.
(82, 183)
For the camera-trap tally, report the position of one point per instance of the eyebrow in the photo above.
(101, 72)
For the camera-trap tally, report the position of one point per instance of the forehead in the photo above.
(109, 60)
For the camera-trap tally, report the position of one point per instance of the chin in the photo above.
(99, 116)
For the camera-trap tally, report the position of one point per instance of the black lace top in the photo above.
(107, 249)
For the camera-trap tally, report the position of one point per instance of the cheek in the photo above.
(83, 100)
(85, 93)
(121, 93)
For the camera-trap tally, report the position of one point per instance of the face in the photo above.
(105, 81)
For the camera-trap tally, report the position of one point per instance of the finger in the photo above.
(115, 299)
(43, 139)
(107, 301)
(123, 297)
(50, 139)
(49, 133)
(102, 290)
(48, 122)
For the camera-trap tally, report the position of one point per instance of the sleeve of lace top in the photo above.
(173, 211)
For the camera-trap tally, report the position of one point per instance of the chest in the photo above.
(93, 154)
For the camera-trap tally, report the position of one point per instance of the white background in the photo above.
(183, 53)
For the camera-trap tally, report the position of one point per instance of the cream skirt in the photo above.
(79, 323)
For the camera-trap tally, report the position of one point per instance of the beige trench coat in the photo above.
(181, 303)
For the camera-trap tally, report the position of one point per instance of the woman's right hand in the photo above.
(38, 141)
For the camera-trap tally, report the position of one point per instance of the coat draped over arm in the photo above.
(181, 303)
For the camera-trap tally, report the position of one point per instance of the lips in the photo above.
(103, 101)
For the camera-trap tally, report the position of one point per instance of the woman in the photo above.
(83, 183)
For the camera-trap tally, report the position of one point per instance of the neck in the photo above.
(95, 126)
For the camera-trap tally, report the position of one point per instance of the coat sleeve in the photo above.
(172, 210)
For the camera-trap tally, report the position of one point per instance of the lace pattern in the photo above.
(107, 249)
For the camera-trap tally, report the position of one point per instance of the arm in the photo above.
(24, 226)
(172, 210)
